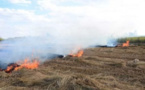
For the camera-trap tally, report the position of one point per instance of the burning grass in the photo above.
(25, 64)
(78, 54)
(97, 69)
(28, 64)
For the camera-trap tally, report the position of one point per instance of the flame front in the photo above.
(126, 44)
(78, 54)
(11, 67)
(28, 64)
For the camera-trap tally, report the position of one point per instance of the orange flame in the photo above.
(126, 44)
(28, 65)
(79, 54)
(11, 67)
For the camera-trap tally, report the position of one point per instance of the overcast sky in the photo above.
(72, 18)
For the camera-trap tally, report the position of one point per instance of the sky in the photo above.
(74, 19)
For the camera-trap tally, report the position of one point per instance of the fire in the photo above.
(126, 44)
(26, 64)
(11, 67)
(78, 54)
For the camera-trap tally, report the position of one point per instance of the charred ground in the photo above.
(98, 69)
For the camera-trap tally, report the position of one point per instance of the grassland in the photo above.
(98, 69)
(137, 40)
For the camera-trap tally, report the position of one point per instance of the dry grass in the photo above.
(98, 69)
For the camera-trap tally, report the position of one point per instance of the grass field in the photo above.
(98, 69)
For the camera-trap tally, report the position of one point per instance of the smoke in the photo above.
(61, 39)
(59, 29)
(48, 46)
(42, 48)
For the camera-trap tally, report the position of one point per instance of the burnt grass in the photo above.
(98, 69)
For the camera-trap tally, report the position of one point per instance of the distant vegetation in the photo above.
(1, 39)
(132, 40)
